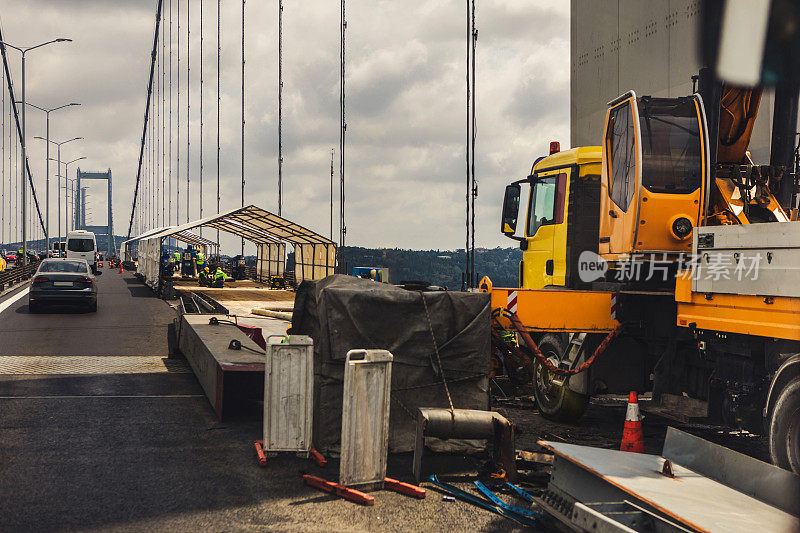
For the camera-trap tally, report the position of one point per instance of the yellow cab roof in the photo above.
(573, 156)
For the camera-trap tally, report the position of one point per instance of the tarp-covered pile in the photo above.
(342, 313)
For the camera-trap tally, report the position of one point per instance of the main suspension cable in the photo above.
(146, 114)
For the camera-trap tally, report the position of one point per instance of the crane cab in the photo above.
(655, 163)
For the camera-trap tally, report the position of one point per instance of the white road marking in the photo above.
(90, 364)
(11, 301)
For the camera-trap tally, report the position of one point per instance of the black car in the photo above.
(62, 281)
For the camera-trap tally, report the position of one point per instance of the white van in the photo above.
(81, 244)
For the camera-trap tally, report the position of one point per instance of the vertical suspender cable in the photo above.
(163, 122)
(178, 139)
(145, 179)
(12, 174)
(243, 4)
(153, 148)
(9, 211)
(188, 101)
(146, 115)
(148, 176)
(467, 140)
(342, 127)
(474, 187)
(157, 126)
(331, 193)
(148, 158)
(280, 105)
(169, 209)
(219, 97)
(3, 166)
(152, 162)
(12, 185)
(11, 99)
(201, 113)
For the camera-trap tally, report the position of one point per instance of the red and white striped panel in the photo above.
(614, 306)
(511, 303)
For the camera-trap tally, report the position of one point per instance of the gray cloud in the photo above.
(405, 105)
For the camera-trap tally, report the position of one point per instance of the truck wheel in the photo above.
(784, 428)
(556, 401)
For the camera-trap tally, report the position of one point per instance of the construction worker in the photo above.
(200, 261)
(177, 257)
(204, 279)
(219, 278)
(188, 261)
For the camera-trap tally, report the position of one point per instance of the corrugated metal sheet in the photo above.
(365, 418)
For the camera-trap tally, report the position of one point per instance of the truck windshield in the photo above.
(80, 245)
(542, 205)
(671, 153)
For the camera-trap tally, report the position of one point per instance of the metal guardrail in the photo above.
(12, 276)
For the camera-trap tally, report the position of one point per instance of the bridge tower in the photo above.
(80, 208)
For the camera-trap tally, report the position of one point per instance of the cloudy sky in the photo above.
(405, 105)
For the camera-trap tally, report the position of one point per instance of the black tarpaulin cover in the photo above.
(342, 313)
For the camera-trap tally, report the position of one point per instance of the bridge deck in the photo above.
(132, 443)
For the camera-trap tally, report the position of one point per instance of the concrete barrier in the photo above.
(228, 376)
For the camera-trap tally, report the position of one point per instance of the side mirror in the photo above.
(510, 210)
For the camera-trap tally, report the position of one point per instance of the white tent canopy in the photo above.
(315, 255)
(183, 236)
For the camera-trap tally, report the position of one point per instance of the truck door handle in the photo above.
(612, 213)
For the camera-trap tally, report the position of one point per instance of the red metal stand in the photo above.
(404, 488)
(340, 490)
(259, 446)
(317, 457)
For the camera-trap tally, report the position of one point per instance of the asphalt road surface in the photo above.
(101, 430)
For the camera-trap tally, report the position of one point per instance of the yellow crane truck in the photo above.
(660, 261)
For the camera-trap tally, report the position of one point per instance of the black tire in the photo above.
(556, 402)
(784, 428)
(33, 307)
(93, 307)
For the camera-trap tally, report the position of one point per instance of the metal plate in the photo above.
(689, 499)
(365, 418)
(766, 482)
(756, 259)
(62, 284)
(288, 394)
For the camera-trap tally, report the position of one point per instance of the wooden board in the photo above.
(235, 293)
(365, 418)
(690, 498)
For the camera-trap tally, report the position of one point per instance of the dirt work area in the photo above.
(602, 425)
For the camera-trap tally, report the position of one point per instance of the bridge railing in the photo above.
(17, 274)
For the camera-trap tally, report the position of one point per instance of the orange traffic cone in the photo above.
(632, 438)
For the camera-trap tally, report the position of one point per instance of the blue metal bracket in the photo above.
(480, 502)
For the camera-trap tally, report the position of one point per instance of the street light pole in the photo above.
(67, 196)
(66, 172)
(23, 51)
(48, 141)
(47, 165)
(66, 200)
